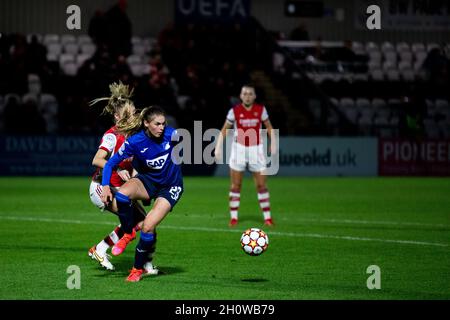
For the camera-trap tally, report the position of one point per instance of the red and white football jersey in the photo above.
(111, 143)
(247, 123)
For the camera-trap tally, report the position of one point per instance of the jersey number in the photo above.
(175, 192)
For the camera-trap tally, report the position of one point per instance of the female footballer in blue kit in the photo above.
(159, 178)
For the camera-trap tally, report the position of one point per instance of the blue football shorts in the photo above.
(171, 193)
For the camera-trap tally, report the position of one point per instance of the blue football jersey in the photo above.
(151, 157)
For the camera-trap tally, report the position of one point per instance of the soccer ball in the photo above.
(254, 241)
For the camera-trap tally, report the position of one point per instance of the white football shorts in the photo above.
(253, 156)
(95, 191)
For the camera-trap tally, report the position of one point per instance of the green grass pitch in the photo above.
(328, 232)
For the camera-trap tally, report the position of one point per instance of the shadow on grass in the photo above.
(254, 280)
(123, 270)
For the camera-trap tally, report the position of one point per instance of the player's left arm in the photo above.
(271, 135)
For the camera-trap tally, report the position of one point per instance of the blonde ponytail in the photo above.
(130, 123)
(120, 94)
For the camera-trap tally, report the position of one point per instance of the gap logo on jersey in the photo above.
(157, 163)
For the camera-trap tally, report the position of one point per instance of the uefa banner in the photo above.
(414, 157)
(314, 156)
(47, 155)
(211, 10)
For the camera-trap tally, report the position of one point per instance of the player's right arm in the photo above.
(99, 159)
(125, 151)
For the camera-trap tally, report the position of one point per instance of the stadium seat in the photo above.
(68, 38)
(334, 101)
(50, 38)
(346, 102)
(358, 47)
(136, 69)
(402, 47)
(149, 44)
(406, 56)
(377, 75)
(54, 48)
(136, 40)
(387, 47)
(34, 84)
(139, 49)
(420, 56)
(362, 103)
(84, 38)
(391, 56)
(278, 62)
(389, 65)
(70, 68)
(49, 109)
(30, 97)
(368, 112)
(65, 58)
(361, 77)
(431, 108)
(145, 68)
(374, 64)
(393, 102)
(52, 57)
(417, 65)
(372, 46)
(88, 48)
(408, 75)
(47, 99)
(402, 65)
(347, 106)
(82, 58)
(417, 46)
(375, 56)
(71, 48)
(392, 75)
(378, 103)
(441, 104)
(182, 100)
(134, 59)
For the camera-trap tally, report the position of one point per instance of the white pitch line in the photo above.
(347, 221)
(281, 234)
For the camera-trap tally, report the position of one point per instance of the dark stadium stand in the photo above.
(320, 87)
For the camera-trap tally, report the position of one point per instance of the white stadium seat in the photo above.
(68, 38)
(50, 38)
(54, 48)
(71, 48)
(84, 38)
(88, 48)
